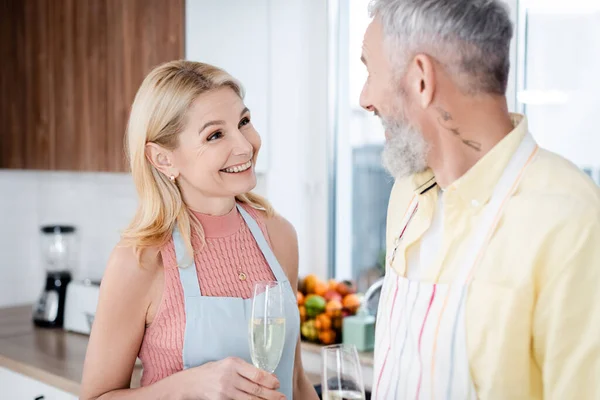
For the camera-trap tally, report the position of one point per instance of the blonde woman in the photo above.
(192, 150)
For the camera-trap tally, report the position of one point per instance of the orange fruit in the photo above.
(302, 311)
(299, 298)
(309, 283)
(351, 302)
(332, 283)
(320, 288)
(327, 337)
(333, 308)
(323, 322)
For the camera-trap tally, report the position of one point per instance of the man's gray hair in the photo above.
(470, 37)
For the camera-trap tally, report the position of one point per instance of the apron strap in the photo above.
(263, 245)
(187, 275)
(408, 215)
(504, 189)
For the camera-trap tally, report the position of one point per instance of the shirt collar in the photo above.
(478, 183)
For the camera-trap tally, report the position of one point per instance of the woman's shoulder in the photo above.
(128, 257)
(131, 272)
(281, 227)
(275, 223)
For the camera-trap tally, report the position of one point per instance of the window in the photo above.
(555, 59)
(558, 85)
(362, 186)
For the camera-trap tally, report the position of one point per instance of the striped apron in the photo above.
(420, 340)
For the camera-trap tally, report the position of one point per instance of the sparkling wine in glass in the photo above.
(341, 374)
(267, 325)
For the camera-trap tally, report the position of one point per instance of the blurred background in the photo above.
(70, 70)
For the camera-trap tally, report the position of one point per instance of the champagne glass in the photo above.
(267, 325)
(341, 374)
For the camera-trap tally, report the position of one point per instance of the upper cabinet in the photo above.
(69, 74)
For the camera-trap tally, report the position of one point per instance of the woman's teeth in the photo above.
(239, 168)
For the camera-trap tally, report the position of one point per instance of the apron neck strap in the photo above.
(490, 216)
(263, 245)
(187, 271)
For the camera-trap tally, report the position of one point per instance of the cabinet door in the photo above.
(26, 137)
(53, 84)
(70, 73)
(141, 35)
(17, 386)
(78, 55)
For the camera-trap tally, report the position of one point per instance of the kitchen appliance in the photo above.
(58, 254)
(82, 299)
(359, 330)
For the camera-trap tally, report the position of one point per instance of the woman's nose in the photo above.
(242, 146)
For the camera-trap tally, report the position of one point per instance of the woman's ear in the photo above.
(161, 158)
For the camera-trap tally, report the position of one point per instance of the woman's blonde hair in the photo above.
(158, 115)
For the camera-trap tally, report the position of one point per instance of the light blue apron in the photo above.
(217, 327)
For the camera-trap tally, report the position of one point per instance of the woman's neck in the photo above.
(210, 205)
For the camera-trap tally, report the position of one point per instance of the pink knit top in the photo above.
(230, 247)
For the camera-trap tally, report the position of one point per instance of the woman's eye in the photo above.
(214, 136)
(245, 121)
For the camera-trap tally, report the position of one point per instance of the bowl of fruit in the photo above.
(322, 306)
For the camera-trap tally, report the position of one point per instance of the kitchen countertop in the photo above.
(52, 356)
(56, 357)
(365, 358)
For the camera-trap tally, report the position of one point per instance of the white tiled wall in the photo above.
(98, 204)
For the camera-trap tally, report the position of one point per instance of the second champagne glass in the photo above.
(341, 374)
(267, 325)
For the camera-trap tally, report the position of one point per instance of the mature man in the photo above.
(492, 288)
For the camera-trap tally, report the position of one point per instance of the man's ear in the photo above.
(421, 80)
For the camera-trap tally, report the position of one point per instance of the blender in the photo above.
(58, 253)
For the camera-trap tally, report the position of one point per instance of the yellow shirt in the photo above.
(533, 308)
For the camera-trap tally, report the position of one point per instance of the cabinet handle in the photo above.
(40, 398)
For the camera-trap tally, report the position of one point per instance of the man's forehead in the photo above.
(370, 38)
(367, 41)
(374, 32)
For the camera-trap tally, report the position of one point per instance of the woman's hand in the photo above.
(231, 378)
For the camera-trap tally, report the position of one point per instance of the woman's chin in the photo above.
(239, 182)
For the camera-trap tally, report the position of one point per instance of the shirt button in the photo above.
(475, 203)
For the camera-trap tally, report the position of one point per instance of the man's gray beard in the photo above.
(405, 152)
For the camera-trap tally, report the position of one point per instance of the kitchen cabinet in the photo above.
(17, 386)
(70, 71)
